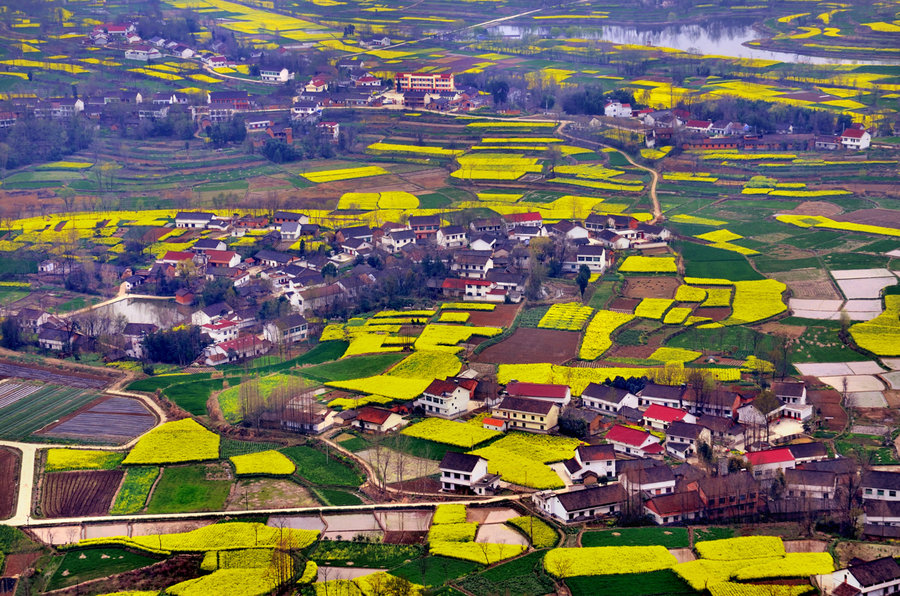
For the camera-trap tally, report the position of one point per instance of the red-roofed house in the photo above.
(698, 125)
(856, 139)
(660, 417)
(222, 258)
(493, 424)
(475, 290)
(173, 257)
(316, 85)
(243, 346)
(221, 330)
(531, 219)
(368, 81)
(561, 395)
(767, 463)
(634, 442)
(676, 507)
(616, 109)
(378, 420)
(122, 30)
(331, 128)
(448, 398)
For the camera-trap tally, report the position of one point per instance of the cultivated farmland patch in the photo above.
(866, 399)
(892, 379)
(816, 309)
(264, 493)
(529, 346)
(10, 393)
(118, 419)
(74, 494)
(863, 310)
(32, 412)
(72, 379)
(650, 287)
(854, 383)
(9, 475)
(864, 283)
(888, 218)
(820, 369)
(502, 316)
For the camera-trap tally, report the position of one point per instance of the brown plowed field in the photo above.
(816, 208)
(531, 346)
(502, 316)
(404, 537)
(74, 494)
(9, 479)
(624, 304)
(715, 313)
(18, 564)
(873, 217)
(650, 287)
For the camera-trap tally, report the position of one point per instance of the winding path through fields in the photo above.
(654, 181)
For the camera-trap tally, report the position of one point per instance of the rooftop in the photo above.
(523, 404)
(517, 389)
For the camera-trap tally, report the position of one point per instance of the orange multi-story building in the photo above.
(420, 81)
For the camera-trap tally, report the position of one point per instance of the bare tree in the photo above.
(282, 567)
(561, 567)
(702, 384)
(381, 460)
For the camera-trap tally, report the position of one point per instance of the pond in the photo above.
(162, 313)
(709, 38)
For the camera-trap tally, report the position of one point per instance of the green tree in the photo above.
(329, 270)
(178, 346)
(584, 276)
(13, 336)
(572, 424)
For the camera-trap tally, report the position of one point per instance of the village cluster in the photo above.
(347, 298)
(487, 261)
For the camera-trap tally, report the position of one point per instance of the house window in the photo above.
(880, 493)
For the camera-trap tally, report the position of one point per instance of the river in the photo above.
(710, 38)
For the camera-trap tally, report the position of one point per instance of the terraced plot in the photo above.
(71, 379)
(34, 411)
(115, 418)
(10, 393)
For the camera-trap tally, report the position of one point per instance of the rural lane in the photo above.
(26, 480)
(322, 509)
(657, 211)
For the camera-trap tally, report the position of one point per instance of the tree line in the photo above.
(32, 140)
